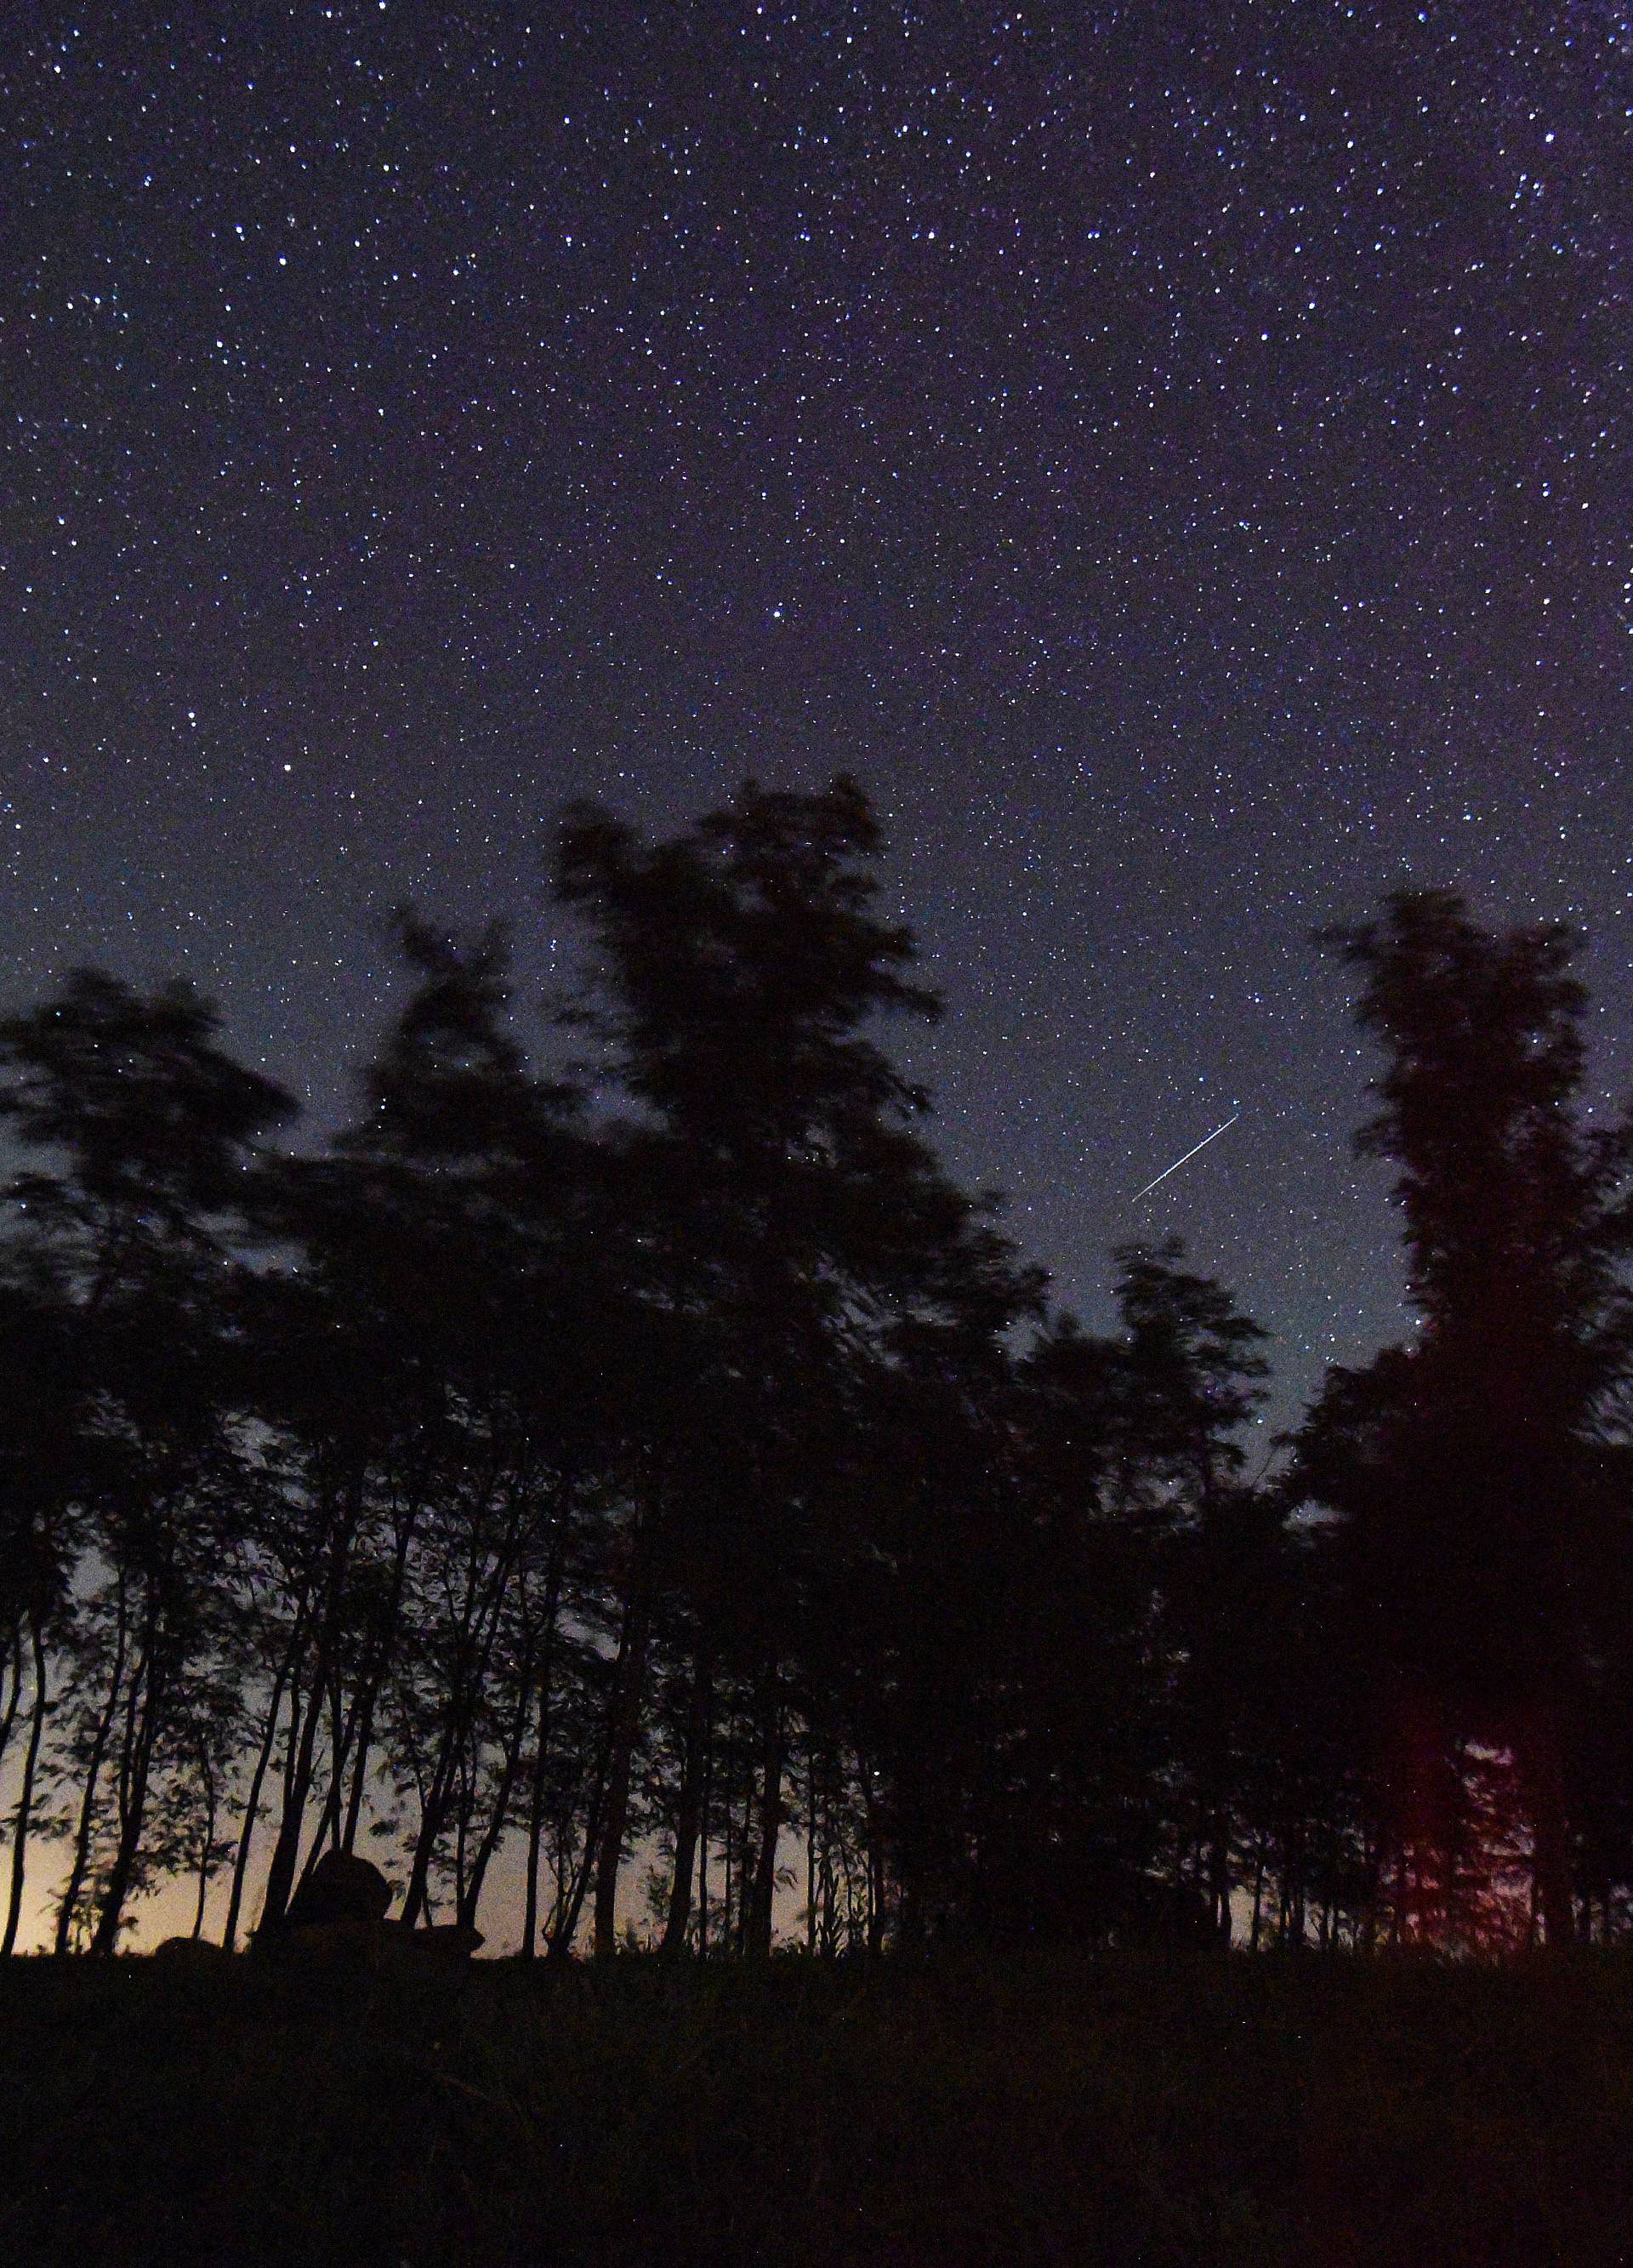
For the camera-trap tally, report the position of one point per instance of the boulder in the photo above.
(337, 1916)
(340, 1888)
(438, 1941)
(350, 1944)
(189, 1953)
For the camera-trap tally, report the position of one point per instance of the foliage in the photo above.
(660, 1473)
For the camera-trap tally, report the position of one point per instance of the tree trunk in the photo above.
(1550, 1836)
(487, 1843)
(545, 1677)
(570, 1897)
(204, 1868)
(376, 1678)
(297, 1779)
(462, 1832)
(341, 1730)
(536, 1825)
(688, 1815)
(811, 1851)
(433, 1818)
(761, 1889)
(359, 1773)
(80, 1862)
(704, 1794)
(14, 1692)
(300, 1767)
(453, 1775)
(251, 1810)
(626, 1732)
(25, 1794)
(135, 1771)
(1219, 1877)
(731, 1931)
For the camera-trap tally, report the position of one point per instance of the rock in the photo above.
(347, 1943)
(341, 1888)
(440, 1941)
(190, 1953)
(337, 1917)
(352, 1941)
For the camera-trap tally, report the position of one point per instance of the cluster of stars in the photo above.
(1178, 457)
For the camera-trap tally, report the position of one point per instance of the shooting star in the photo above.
(1186, 1160)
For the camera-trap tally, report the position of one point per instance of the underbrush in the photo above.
(1178, 2110)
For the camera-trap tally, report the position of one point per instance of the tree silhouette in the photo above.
(666, 1456)
(1478, 1535)
(145, 1132)
(795, 1218)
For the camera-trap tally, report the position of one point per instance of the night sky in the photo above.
(1176, 454)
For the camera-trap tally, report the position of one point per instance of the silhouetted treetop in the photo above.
(745, 960)
(149, 1117)
(453, 1081)
(1510, 1207)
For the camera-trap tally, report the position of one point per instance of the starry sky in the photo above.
(1176, 454)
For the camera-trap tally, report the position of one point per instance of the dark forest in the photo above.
(653, 1476)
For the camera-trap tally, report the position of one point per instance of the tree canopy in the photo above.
(653, 1485)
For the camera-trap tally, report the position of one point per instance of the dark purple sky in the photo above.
(1178, 455)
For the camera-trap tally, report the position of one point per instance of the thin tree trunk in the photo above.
(571, 1902)
(14, 1692)
(299, 1766)
(462, 1831)
(705, 1793)
(341, 1731)
(811, 1851)
(729, 1936)
(763, 1885)
(376, 1679)
(25, 1794)
(252, 1812)
(80, 1863)
(433, 1818)
(689, 1813)
(499, 1814)
(297, 1778)
(828, 1888)
(570, 1890)
(536, 1825)
(1219, 1877)
(875, 1863)
(203, 1865)
(545, 1677)
(1551, 1838)
(134, 1777)
(327, 1830)
(452, 1773)
(626, 1729)
(359, 1772)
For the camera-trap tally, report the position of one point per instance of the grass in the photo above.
(1173, 2111)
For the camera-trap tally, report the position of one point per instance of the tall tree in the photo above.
(143, 1131)
(418, 1363)
(1479, 1534)
(789, 1208)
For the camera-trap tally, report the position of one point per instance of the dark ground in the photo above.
(1171, 2110)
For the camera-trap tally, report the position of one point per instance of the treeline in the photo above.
(663, 1465)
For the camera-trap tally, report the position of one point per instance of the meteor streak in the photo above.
(1186, 1160)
